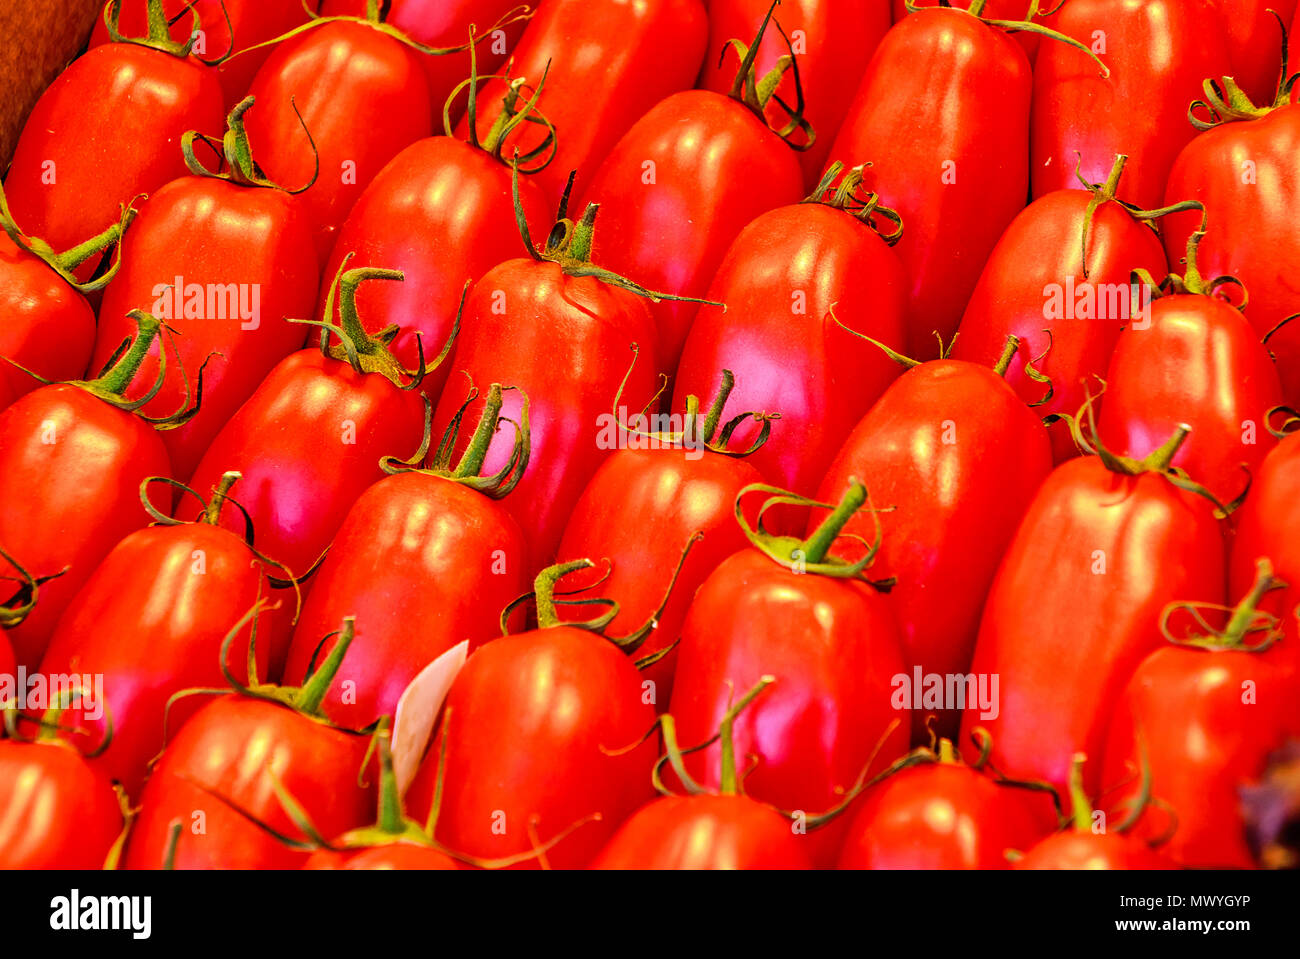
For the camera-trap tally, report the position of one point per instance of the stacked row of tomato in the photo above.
(333, 445)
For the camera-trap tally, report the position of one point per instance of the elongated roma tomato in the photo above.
(394, 841)
(1253, 33)
(609, 62)
(1196, 361)
(438, 211)
(223, 259)
(228, 759)
(1060, 279)
(798, 283)
(1082, 846)
(176, 589)
(679, 186)
(942, 116)
(679, 485)
(1122, 541)
(529, 715)
(585, 322)
(106, 130)
(788, 609)
(49, 326)
(1240, 167)
(60, 811)
(444, 24)
(704, 832)
(423, 560)
(310, 439)
(251, 22)
(833, 39)
(1010, 10)
(361, 95)
(74, 454)
(953, 457)
(1157, 53)
(1268, 526)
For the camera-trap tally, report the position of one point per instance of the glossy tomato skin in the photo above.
(251, 22)
(708, 151)
(421, 563)
(704, 832)
(610, 62)
(446, 23)
(151, 619)
(1086, 850)
(49, 327)
(60, 811)
(956, 457)
(211, 234)
(1158, 53)
(72, 466)
(943, 816)
(1254, 41)
(111, 125)
(1209, 720)
(672, 494)
(1200, 363)
(780, 279)
(1026, 289)
(528, 716)
(231, 747)
(956, 174)
(363, 97)
(308, 443)
(441, 212)
(832, 40)
(565, 342)
(1267, 526)
(398, 855)
(1062, 646)
(1244, 174)
(832, 646)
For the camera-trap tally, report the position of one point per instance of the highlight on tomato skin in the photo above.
(650, 435)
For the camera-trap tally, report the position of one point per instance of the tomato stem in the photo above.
(580, 243)
(816, 546)
(729, 784)
(1080, 806)
(159, 36)
(811, 555)
(1244, 619)
(212, 512)
(391, 818)
(756, 94)
(311, 694)
(846, 197)
(64, 263)
(947, 754)
(1244, 615)
(119, 377)
(240, 168)
(544, 591)
(471, 462)
(1162, 456)
(1008, 351)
